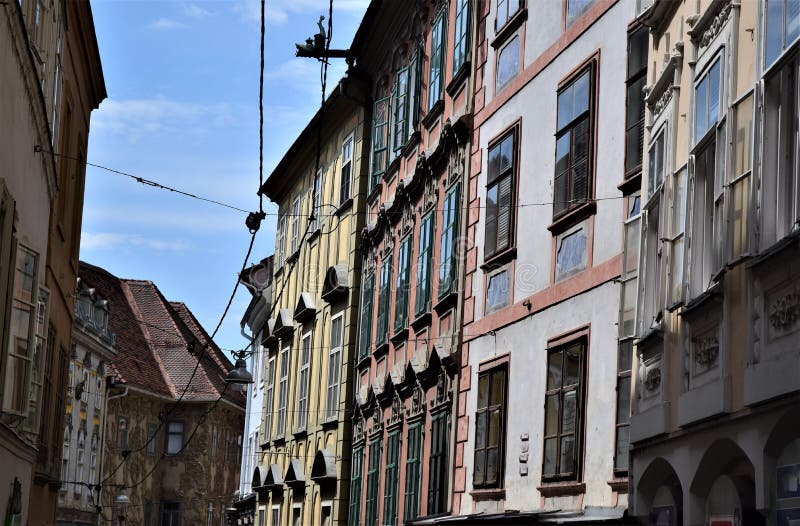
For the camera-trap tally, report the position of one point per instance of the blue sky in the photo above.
(182, 109)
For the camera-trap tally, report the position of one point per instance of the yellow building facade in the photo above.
(301, 473)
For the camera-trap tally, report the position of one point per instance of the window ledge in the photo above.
(392, 169)
(399, 335)
(501, 258)
(568, 219)
(561, 489)
(329, 423)
(362, 361)
(374, 193)
(620, 485)
(631, 184)
(488, 494)
(421, 321)
(457, 82)
(433, 114)
(381, 348)
(702, 299)
(300, 433)
(509, 28)
(344, 207)
(738, 260)
(313, 235)
(278, 440)
(446, 301)
(411, 144)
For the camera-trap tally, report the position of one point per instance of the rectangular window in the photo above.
(782, 27)
(651, 287)
(283, 393)
(37, 373)
(739, 187)
(490, 419)
(295, 225)
(317, 199)
(497, 290)
(20, 351)
(436, 71)
(403, 282)
(56, 104)
(575, 8)
(500, 195)
(152, 430)
(174, 438)
(638, 40)
(384, 299)
(268, 399)
(707, 213)
(373, 482)
(630, 268)
(380, 140)
(367, 299)
(297, 515)
(438, 468)
(400, 110)
(622, 440)
(334, 367)
(505, 10)
(392, 471)
(347, 170)
(572, 251)
(677, 231)
(280, 241)
(448, 257)
(461, 35)
(563, 428)
(574, 150)
(422, 297)
(305, 374)
(413, 474)
(275, 519)
(356, 472)
(707, 101)
(170, 513)
(507, 63)
(262, 516)
(655, 163)
(122, 433)
(415, 90)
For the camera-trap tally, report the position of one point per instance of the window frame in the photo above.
(152, 433)
(373, 479)
(391, 487)
(569, 20)
(316, 198)
(485, 413)
(402, 282)
(784, 43)
(590, 67)
(448, 241)
(295, 219)
(439, 462)
(380, 148)
(515, 132)
(461, 35)
(345, 190)
(579, 419)
(269, 396)
(629, 277)
(623, 375)
(170, 433)
(508, 14)
(384, 298)
(415, 435)
(743, 177)
(367, 310)
(631, 79)
(424, 277)
(283, 391)
(123, 434)
(516, 37)
(333, 385)
(356, 479)
(304, 381)
(438, 58)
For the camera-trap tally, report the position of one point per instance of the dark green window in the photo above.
(400, 110)
(424, 255)
(435, 73)
(392, 478)
(357, 469)
(447, 252)
(415, 87)
(380, 140)
(413, 475)
(490, 428)
(461, 40)
(403, 281)
(384, 297)
(373, 481)
(437, 472)
(367, 299)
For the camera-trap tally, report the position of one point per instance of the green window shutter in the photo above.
(447, 254)
(435, 73)
(413, 455)
(437, 471)
(357, 468)
(403, 264)
(423, 292)
(373, 480)
(392, 476)
(461, 40)
(380, 139)
(415, 87)
(384, 300)
(365, 337)
(400, 108)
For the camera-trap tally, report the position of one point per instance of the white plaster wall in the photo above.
(526, 341)
(536, 105)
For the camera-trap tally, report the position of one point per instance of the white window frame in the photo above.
(347, 161)
(280, 241)
(295, 219)
(334, 370)
(276, 514)
(304, 382)
(269, 397)
(631, 226)
(283, 391)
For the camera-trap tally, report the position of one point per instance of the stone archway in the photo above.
(660, 495)
(782, 468)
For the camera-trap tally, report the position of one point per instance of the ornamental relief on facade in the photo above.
(784, 313)
(455, 165)
(376, 420)
(359, 427)
(705, 352)
(417, 406)
(649, 377)
(443, 394)
(407, 220)
(715, 27)
(430, 195)
(370, 261)
(396, 415)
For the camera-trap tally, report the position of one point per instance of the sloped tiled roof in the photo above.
(159, 341)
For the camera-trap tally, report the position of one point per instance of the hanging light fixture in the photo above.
(239, 374)
(121, 502)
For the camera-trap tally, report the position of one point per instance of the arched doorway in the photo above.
(782, 465)
(659, 494)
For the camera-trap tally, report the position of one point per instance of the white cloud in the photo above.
(117, 241)
(195, 11)
(278, 11)
(137, 118)
(165, 24)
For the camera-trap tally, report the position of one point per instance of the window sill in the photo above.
(509, 28)
(570, 218)
(329, 423)
(738, 260)
(497, 260)
(373, 194)
(421, 321)
(381, 349)
(445, 302)
(619, 485)
(433, 114)
(411, 144)
(561, 489)
(488, 494)
(702, 300)
(300, 433)
(344, 207)
(313, 235)
(631, 184)
(278, 440)
(362, 361)
(399, 335)
(457, 82)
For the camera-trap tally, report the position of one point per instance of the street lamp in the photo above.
(121, 502)
(239, 374)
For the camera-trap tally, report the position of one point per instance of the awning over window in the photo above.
(324, 468)
(294, 474)
(336, 282)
